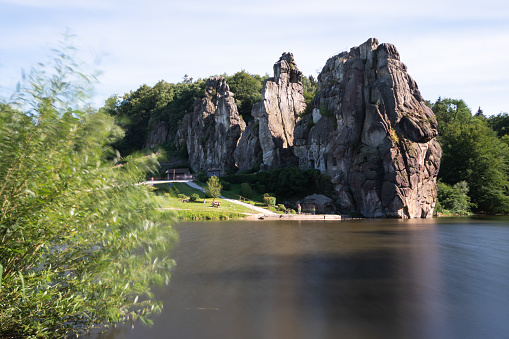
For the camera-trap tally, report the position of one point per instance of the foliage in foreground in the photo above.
(80, 241)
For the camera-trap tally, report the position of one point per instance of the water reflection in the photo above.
(349, 279)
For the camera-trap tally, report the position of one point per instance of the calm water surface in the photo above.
(445, 278)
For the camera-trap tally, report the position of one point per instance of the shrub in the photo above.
(194, 197)
(260, 187)
(182, 196)
(246, 190)
(453, 199)
(226, 185)
(208, 215)
(281, 207)
(240, 178)
(202, 177)
(230, 172)
(324, 110)
(271, 201)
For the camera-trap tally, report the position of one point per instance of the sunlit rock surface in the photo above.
(373, 133)
(212, 131)
(274, 118)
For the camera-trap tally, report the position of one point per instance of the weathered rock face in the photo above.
(323, 204)
(373, 133)
(275, 116)
(248, 153)
(211, 132)
(159, 135)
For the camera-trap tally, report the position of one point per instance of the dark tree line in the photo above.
(139, 111)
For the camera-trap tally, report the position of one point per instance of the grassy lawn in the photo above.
(199, 210)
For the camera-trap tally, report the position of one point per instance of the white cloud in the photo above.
(448, 46)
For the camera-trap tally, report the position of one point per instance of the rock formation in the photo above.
(371, 130)
(322, 204)
(248, 153)
(159, 135)
(275, 118)
(211, 132)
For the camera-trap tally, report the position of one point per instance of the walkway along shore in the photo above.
(266, 214)
(296, 217)
(263, 214)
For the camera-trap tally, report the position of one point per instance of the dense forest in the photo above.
(474, 173)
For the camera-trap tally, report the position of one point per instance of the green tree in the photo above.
(213, 188)
(247, 89)
(81, 240)
(499, 123)
(472, 152)
(140, 111)
(451, 112)
(246, 190)
(453, 199)
(310, 87)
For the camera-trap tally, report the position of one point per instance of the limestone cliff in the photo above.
(274, 118)
(211, 132)
(371, 130)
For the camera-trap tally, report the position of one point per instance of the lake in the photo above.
(431, 278)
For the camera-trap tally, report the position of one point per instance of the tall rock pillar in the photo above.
(212, 131)
(373, 133)
(275, 116)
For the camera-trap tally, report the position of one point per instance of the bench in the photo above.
(216, 204)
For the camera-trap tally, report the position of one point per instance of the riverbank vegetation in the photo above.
(81, 242)
(475, 160)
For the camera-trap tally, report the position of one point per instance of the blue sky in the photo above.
(456, 49)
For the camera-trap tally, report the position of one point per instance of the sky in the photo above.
(452, 48)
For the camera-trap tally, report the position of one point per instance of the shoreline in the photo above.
(262, 216)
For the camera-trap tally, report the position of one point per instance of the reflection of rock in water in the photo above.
(273, 279)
